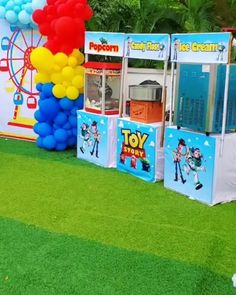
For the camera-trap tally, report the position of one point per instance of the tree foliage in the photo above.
(162, 16)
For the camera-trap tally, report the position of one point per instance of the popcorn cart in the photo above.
(97, 123)
(102, 87)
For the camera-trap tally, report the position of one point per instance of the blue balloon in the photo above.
(60, 119)
(74, 111)
(44, 129)
(55, 127)
(49, 142)
(39, 87)
(61, 146)
(24, 17)
(74, 131)
(42, 95)
(2, 12)
(66, 104)
(10, 5)
(39, 116)
(47, 89)
(49, 108)
(72, 141)
(11, 16)
(79, 102)
(28, 8)
(60, 135)
(69, 133)
(36, 128)
(73, 121)
(17, 9)
(67, 126)
(39, 142)
(37, 4)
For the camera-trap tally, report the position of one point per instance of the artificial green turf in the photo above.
(36, 262)
(59, 193)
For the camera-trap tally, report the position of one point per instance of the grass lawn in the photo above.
(69, 227)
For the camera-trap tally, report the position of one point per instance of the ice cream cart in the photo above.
(200, 149)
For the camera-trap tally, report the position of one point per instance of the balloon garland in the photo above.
(60, 74)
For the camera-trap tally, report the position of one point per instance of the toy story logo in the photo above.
(133, 144)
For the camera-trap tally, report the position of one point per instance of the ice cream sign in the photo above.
(147, 46)
(101, 43)
(201, 48)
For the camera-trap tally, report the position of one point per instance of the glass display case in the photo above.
(102, 87)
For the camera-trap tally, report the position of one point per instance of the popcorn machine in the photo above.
(102, 87)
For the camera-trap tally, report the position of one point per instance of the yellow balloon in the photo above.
(56, 78)
(81, 90)
(59, 91)
(61, 59)
(79, 70)
(80, 58)
(56, 68)
(42, 59)
(66, 83)
(41, 78)
(75, 53)
(72, 61)
(78, 81)
(68, 73)
(72, 92)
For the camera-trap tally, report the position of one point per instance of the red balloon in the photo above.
(51, 2)
(39, 16)
(79, 9)
(80, 26)
(66, 48)
(83, 1)
(51, 9)
(88, 13)
(65, 27)
(65, 10)
(52, 46)
(44, 29)
(80, 41)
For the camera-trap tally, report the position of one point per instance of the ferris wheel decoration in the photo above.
(18, 48)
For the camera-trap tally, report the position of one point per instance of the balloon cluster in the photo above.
(57, 120)
(63, 22)
(60, 74)
(64, 71)
(19, 12)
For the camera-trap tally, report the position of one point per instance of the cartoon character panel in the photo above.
(18, 93)
(93, 138)
(136, 149)
(189, 163)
